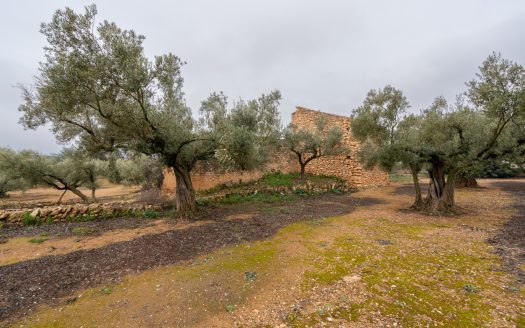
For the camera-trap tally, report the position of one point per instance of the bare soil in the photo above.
(45, 279)
(376, 264)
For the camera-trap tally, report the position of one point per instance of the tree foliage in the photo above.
(141, 170)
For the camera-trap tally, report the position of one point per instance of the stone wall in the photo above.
(206, 176)
(343, 166)
(51, 214)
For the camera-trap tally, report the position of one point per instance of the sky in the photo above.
(324, 55)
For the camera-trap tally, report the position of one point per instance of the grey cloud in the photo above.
(320, 54)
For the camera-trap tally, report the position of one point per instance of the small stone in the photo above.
(35, 213)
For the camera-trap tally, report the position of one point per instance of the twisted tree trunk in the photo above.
(184, 192)
(440, 197)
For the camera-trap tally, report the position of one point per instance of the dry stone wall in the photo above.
(51, 214)
(343, 166)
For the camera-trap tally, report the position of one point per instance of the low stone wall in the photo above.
(50, 214)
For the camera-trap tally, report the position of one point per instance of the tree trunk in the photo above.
(184, 193)
(79, 194)
(303, 171)
(93, 198)
(418, 202)
(93, 183)
(440, 196)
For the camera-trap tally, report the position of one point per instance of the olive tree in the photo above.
(96, 87)
(387, 134)
(310, 144)
(453, 140)
(10, 178)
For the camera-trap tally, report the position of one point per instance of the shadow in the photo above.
(509, 241)
(47, 279)
(408, 189)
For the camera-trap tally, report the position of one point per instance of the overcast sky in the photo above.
(323, 55)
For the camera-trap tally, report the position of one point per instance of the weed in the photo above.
(300, 191)
(250, 275)
(231, 307)
(106, 290)
(150, 214)
(37, 240)
(469, 288)
(27, 219)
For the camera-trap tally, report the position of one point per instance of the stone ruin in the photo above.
(345, 166)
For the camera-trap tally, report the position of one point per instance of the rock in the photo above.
(351, 279)
(4, 216)
(74, 212)
(44, 212)
(35, 213)
(81, 209)
(55, 211)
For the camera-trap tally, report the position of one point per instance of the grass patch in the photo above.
(265, 197)
(37, 240)
(279, 179)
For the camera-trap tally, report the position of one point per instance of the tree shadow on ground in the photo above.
(46, 279)
(509, 241)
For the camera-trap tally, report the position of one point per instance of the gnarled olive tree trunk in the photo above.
(184, 193)
(440, 197)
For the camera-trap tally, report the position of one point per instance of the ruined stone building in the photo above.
(344, 166)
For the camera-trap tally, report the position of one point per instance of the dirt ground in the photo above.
(355, 260)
